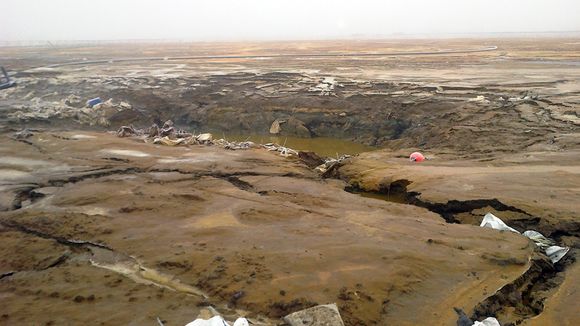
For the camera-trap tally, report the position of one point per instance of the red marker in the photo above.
(417, 157)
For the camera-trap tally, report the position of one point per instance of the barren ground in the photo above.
(105, 230)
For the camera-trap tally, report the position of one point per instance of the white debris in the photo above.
(479, 99)
(217, 321)
(72, 108)
(330, 163)
(325, 87)
(207, 137)
(493, 222)
(555, 253)
(125, 105)
(489, 321)
(284, 151)
(526, 96)
(540, 240)
(243, 145)
(169, 142)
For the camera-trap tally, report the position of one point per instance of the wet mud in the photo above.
(520, 300)
(108, 230)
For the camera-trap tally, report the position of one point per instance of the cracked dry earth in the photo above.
(105, 230)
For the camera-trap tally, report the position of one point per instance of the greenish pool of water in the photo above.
(395, 197)
(323, 146)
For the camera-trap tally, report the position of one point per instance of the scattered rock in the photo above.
(322, 315)
(292, 127)
(79, 299)
(74, 101)
(275, 127)
(207, 137)
(23, 134)
(237, 296)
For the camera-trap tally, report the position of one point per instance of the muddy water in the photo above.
(395, 197)
(324, 146)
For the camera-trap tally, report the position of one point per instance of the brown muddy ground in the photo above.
(246, 224)
(102, 230)
(531, 191)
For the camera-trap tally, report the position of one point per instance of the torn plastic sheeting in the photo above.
(540, 240)
(493, 222)
(489, 321)
(555, 253)
(217, 321)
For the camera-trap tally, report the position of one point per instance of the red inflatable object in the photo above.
(417, 157)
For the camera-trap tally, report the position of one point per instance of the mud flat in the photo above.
(101, 229)
(250, 229)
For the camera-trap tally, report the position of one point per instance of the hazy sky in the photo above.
(276, 19)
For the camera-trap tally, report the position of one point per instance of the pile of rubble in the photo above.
(71, 108)
(325, 87)
(330, 165)
(170, 136)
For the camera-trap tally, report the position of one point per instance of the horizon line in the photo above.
(352, 37)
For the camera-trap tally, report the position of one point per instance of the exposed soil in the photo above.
(522, 299)
(509, 186)
(100, 229)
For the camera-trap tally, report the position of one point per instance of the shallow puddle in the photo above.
(323, 146)
(396, 197)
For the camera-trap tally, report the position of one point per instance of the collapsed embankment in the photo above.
(373, 112)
